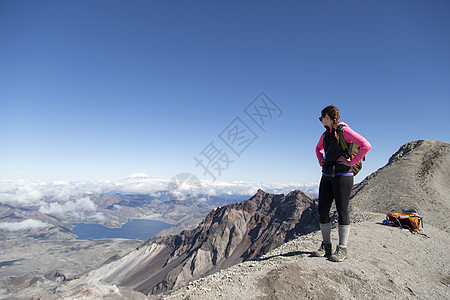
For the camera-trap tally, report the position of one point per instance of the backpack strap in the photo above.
(342, 141)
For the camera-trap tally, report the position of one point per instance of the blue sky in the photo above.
(104, 89)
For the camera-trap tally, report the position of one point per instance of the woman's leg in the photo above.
(325, 200)
(326, 197)
(342, 189)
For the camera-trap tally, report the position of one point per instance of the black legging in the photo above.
(338, 188)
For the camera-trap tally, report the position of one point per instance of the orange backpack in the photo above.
(409, 219)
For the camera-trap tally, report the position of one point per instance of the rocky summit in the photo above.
(227, 236)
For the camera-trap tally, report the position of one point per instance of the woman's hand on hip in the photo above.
(343, 161)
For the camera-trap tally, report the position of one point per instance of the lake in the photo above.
(133, 229)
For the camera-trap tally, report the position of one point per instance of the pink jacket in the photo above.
(350, 136)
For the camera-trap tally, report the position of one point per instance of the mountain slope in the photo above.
(384, 263)
(227, 236)
(416, 176)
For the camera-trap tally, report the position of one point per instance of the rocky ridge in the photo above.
(416, 176)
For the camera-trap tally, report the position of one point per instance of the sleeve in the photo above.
(364, 146)
(319, 149)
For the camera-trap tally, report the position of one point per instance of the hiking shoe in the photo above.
(340, 254)
(324, 250)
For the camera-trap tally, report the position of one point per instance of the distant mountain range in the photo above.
(109, 209)
(55, 205)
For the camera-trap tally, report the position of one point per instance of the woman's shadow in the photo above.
(292, 253)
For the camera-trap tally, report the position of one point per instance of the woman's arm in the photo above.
(319, 149)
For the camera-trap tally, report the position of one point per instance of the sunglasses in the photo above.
(320, 119)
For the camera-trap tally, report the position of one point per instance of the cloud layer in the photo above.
(57, 197)
(23, 225)
(77, 207)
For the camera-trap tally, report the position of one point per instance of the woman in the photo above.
(337, 179)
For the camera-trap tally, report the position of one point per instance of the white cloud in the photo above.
(20, 192)
(139, 184)
(28, 193)
(250, 188)
(24, 225)
(79, 205)
(139, 176)
(99, 216)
